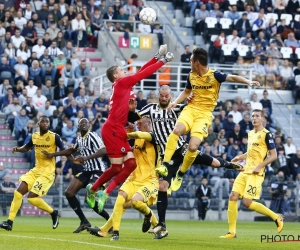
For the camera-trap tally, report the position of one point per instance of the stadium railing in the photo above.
(176, 83)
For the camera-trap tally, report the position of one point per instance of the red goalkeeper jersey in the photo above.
(122, 91)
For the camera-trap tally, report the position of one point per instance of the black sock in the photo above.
(104, 214)
(162, 205)
(75, 205)
(180, 173)
(148, 215)
(222, 161)
(203, 159)
(166, 164)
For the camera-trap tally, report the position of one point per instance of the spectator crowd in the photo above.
(259, 35)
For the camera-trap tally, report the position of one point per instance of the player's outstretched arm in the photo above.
(66, 152)
(100, 153)
(140, 135)
(240, 157)
(24, 148)
(240, 79)
(131, 80)
(133, 116)
(181, 98)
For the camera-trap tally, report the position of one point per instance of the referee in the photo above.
(91, 148)
(163, 123)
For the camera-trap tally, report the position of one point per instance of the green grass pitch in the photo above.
(36, 233)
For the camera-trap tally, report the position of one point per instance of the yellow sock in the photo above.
(141, 207)
(154, 220)
(107, 225)
(260, 208)
(15, 205)
(41, 204)
(105, 228)
(170, 147)
(188, 160)
(118, 212)
(232, 214)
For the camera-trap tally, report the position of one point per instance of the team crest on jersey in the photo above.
(258, 137)
(123, 149)
(207, 79)
(48, 138)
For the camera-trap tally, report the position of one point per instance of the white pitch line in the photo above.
(70, 241)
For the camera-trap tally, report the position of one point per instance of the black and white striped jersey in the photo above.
(163, 122)
(88, 145)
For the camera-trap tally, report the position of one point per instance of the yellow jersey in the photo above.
(48, 142)
(205, 89)
(259, 143)
(146, 155)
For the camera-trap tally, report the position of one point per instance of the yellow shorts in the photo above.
(149, 190)
(38, 183)
(196, 121)
(248, 186)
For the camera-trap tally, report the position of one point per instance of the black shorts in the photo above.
(174, 165)
(87, 177)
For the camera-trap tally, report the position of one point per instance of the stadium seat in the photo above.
(189, 21)
(242, 50)
(229, 54)
(227, 49)
(266, 194)
(296, 18)
(226, 25)
(272, 15)
(288, 18)
(286, 52)
(211, 28)
(233, 2)
(184, 204)
(226, 13)
(211, 22)
(214, 204)
(211, 49)
(255, 16)
(297, 53)
(225, 205)
(172, 204)
(213, 38)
